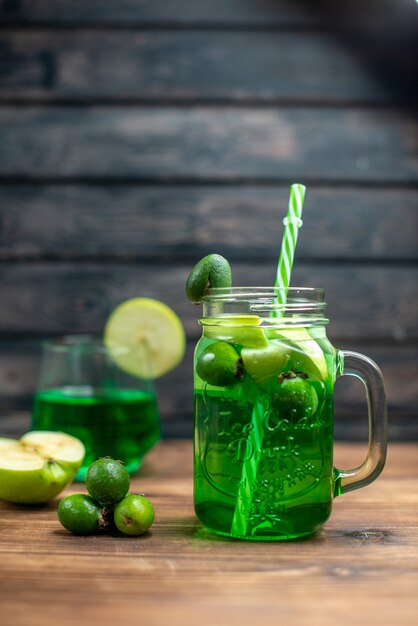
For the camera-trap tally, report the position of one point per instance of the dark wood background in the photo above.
(137, 136)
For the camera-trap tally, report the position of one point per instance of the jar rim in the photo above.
(314, 295)
(297, 306)
(267, 288)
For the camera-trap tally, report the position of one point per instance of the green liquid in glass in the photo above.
(123, 424)
(292, 492)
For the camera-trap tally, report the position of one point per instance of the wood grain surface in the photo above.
(244, 13)
(204, 143)
(199, 13)
(80, 65)
(68, 298)
(344, 223)
(361, 568)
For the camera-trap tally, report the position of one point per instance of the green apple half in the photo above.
(265, 365)
(238, 329)
(37, 467)
(305, 354)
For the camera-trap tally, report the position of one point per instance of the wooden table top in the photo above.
(361, 568)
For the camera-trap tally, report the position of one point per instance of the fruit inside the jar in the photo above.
(305, 354)
(219, 364)
(241, 330)
(294, 397)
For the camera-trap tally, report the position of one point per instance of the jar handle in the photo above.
(360, 366)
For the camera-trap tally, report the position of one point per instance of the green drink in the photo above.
(85, 390)
(264, 385)
(123, 424)
(291, 491)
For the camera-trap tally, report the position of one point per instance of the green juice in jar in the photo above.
(282, 483)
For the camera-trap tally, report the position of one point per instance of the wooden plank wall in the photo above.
(138, 136)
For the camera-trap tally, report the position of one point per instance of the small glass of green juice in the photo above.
(82, 391)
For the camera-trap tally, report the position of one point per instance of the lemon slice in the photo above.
(145, 337)
(238, 329)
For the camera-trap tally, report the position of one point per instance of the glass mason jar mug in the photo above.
(263, 445)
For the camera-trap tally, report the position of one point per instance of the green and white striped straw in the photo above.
(292, 222)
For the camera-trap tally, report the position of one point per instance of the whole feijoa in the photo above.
(211, 271)
(107, 481)
(294, 397)
(134, 515)
(81, 514)
(220, 364)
